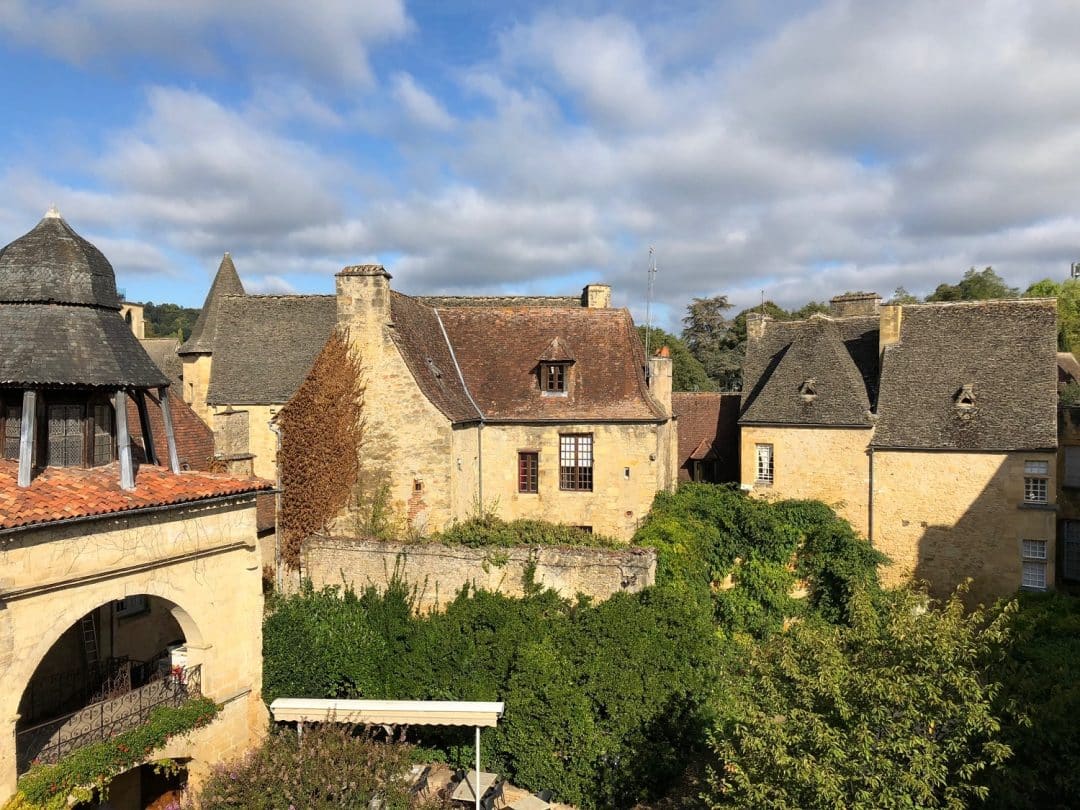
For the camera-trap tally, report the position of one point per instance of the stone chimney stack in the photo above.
(755, 325)
(851, 304)
(363, 302)
(597, 296)
(892, 315)
(660, 378)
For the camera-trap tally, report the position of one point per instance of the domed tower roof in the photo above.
(60, 321)
(54, 265)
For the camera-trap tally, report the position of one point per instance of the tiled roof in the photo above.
(708, 430)
(226, 282)
(66, 493)
(1005, 350)
(441, 301)
(1068, 368)
(194, 440)
(163, 351)
(265, 346)
(804, 373)
(420, 339)
(499, 349)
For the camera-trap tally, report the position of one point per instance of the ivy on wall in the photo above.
(321, 430)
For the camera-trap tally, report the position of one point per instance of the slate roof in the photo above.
(265, 345)
(420, 339)
(499, 349)
(708, 430)
(53, 264)
(1006, 350)
(805, 373)
(60, 321)
(67, 493)
(226, 282)
(163, 351)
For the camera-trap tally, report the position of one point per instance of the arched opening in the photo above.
(104, 675)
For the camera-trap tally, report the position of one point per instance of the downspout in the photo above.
(870, 501)
(479, 425)
(278, 574)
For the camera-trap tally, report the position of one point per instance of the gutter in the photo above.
(480, 413)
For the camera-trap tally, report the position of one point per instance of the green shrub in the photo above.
(95, 765)
(489, 530)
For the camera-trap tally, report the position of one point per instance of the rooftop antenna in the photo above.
(648, 308)
(762, 302)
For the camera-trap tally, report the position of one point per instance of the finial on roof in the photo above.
(53, 213)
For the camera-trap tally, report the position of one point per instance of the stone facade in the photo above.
(438, 572)
(826, 464)
(197, 384)
(200, 561)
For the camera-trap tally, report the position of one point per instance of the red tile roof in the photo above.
(500, 348)
(194, 440)
(65, 493)
(708, 431)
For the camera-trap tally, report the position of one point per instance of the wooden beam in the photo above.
(27, 437)
(123, 441)
(144, 426)
(170, 436)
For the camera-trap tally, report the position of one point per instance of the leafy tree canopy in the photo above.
(687, 372)
(169, 320)
(1068, 306)
(975, 286)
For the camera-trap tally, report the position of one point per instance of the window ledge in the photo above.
(1039, 507)
(554, 393)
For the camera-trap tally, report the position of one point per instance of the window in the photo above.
(104, 435)
(1070, 562)
(764, 463)
(1034, 563)
(10, 424)
(553, 377)
(1072, 466)
(1035, 481)
(79, 434)
(130, 605)
(576, 461)
(528, 471)
(65, 438)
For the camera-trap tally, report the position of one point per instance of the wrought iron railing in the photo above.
(56, 738)
(64, 692)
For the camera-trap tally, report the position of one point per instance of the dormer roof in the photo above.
(556, 352)
(203, 334)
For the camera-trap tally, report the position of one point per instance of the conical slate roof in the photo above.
(226, 282)
(54, 265)
(60, 318)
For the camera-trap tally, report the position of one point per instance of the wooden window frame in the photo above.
(529, 472)
(1034, 555)
(764, 474)
(87, 418)
(8, 401)
(554, 377)
(576, 448)
(1037, 481)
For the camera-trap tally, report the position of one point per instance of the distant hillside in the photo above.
(169, 320)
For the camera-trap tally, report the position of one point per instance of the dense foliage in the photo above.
(331, 767)
(974, 286)
(91, 768)
(1068, 307)
(491, 530)
(321, 429)
(887, 711)
(604, 703)
(746, 555)
(169, 320)
(687, 373)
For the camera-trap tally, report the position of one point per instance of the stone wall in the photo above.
(826, 464)
(439, 572)
(202, 559)
(197, 385)
(946, 516)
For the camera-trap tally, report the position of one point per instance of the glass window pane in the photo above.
(1037, 467)
(12, 427)
(65, 436)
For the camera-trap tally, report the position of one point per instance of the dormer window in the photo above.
(808, 390)
(79, 434)
(965, 397)
(10, 426)
(554, 377)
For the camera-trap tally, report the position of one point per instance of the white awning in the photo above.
(387, 712)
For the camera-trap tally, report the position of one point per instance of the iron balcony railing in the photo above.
(54, 739)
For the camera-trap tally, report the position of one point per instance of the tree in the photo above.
(687, 372)
(902, 296)
(707, 333)
(975, 286)
(168, 320)
(890, 711)
(1068, 307)
(808, 309)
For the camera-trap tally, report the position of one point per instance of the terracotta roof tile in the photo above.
(708, 430)
(65, 493)
(194, 440)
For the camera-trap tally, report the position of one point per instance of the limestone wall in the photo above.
(197, 385)
(945, 516)
(439, 572)
(826, 464)
(202, 559)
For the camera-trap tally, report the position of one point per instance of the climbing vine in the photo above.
(321, 430)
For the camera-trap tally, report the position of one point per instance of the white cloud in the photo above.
(420, 106)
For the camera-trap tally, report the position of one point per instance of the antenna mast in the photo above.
(648, 308)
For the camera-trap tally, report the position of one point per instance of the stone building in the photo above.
(708, 423)
(532, 407)
(931, 427)
(127, 582)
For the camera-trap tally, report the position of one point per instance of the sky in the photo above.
(785, 148)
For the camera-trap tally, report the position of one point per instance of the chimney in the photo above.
(891, 317)
(755, 325)
(660, 371)
(363, 302)
(597, 296)
(857, 303)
